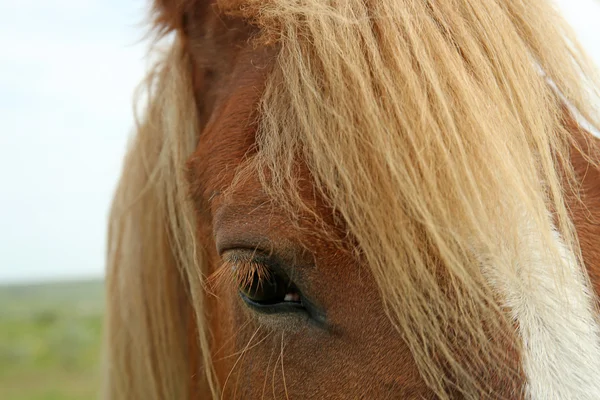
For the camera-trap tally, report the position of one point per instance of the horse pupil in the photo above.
(270, 290)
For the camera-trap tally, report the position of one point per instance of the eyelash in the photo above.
(239, 271)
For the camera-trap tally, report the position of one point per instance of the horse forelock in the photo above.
(429, 129)
(429, 126)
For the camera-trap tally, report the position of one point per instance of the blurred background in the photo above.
(68, 70)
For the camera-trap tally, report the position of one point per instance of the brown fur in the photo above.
(586, 214)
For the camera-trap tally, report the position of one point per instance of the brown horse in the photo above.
(359, 199)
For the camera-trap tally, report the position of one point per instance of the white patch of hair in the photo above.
(553, 308)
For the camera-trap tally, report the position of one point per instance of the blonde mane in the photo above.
(155, 267)
(436, 130)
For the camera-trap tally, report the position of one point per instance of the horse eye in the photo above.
(272, 289)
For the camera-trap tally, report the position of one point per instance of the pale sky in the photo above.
(68, 69)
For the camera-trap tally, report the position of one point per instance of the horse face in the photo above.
(314, 326)
(289, 308)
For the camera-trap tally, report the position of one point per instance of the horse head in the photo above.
(357, 199)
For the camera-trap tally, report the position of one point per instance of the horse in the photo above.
(358, 199)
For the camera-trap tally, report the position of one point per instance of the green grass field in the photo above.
(50, 336)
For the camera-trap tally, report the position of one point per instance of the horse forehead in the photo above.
(231, 127)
